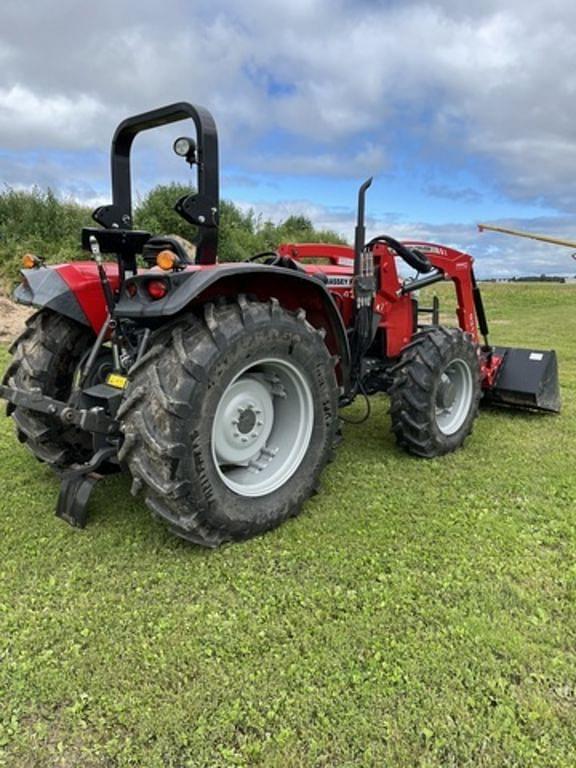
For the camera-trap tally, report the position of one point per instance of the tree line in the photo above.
(39, 222)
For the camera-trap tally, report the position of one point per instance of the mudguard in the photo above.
(293, 289)
(46, 288)
(73, 290)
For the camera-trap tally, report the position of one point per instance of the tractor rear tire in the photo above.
(45, 358)
(435, 395)
(229, 420)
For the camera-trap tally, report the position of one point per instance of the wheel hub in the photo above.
(244, 421)
(262, 427)
(446, 392)
(247, 420)
(454, 397)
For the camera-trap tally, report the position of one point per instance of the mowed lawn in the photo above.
(418, 613)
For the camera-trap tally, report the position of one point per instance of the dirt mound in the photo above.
(12, 319)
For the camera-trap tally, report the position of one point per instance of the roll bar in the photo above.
(201, 208)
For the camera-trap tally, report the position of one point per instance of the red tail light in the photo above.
(157, 289)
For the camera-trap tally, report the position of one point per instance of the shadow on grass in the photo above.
(517, 413)
(117, 516)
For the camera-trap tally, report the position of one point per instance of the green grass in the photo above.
(418, 613)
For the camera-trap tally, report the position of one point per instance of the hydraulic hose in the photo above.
(414, 258)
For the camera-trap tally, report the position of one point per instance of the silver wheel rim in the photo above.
(262, 427)
(454, 397)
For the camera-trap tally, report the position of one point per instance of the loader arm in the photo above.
(458, 267)
(522, 378)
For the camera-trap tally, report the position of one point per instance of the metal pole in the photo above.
(529, 235)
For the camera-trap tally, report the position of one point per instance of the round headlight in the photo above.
(184, 147)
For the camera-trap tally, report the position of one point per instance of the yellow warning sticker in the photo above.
(116, 380)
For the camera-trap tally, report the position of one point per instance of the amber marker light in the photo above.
(29, 261)
(166, 260)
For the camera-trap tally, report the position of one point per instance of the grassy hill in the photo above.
(418, 613)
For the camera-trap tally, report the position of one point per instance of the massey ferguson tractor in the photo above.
(217, 386)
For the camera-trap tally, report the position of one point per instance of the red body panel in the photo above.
(82, 279)
(394, 307)
(336, 263)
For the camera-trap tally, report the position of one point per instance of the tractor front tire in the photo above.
(45, 358)
(229, 420)
(435, 395)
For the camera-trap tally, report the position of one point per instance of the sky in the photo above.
(462, 112)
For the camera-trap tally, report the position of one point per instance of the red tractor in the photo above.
(217, 386)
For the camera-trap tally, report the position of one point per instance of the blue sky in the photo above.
(462, 114)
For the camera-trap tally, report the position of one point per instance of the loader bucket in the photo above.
(527, 378)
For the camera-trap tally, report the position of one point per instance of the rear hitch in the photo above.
(78, 481)
(90, 419)
(77, 484)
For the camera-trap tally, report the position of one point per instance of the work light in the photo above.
(185, 147)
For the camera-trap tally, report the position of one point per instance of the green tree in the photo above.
(242, 234)
(155, 212)
(39, 222)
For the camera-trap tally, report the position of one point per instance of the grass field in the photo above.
(418, 613)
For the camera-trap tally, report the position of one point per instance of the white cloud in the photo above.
(317, 87)
(56, 120)
(369, 159)
(495, 255)
(495, 80)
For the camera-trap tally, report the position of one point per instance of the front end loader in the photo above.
(217, 387)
